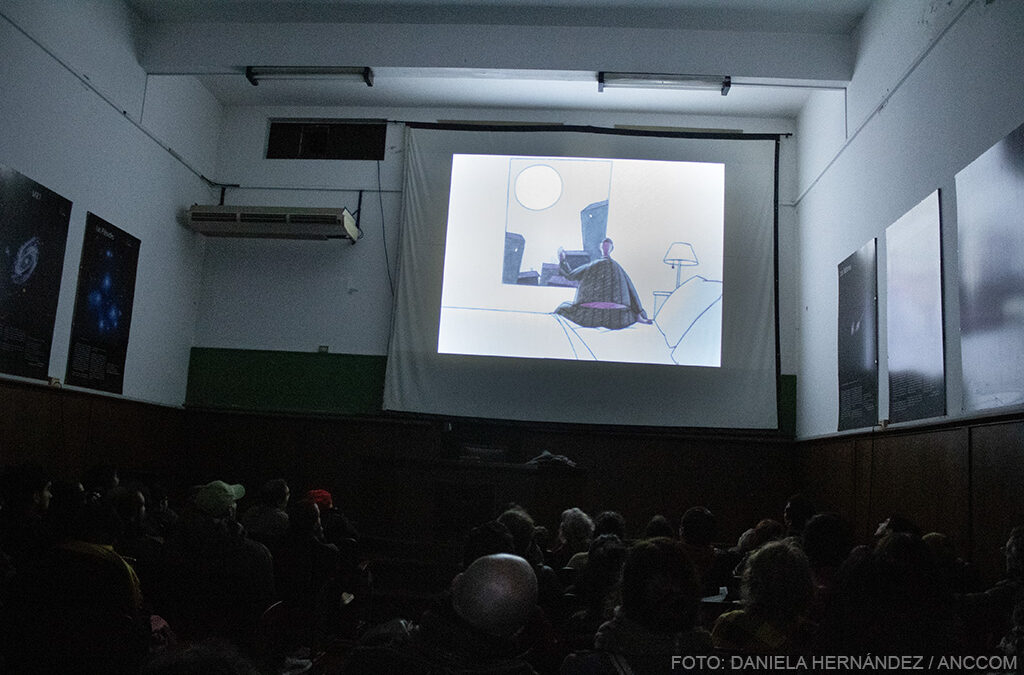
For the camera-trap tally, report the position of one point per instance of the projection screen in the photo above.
(581, 275)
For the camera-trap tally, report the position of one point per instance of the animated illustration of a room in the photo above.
(600, 260)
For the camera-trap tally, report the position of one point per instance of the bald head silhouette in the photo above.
(496, 594)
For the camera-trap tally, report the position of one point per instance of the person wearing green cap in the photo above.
(218, 499)
(218, 581)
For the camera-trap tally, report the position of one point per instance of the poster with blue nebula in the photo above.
(103, 307)
(33, 235)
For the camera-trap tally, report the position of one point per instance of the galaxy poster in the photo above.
(990, 230)
(103, 307)
(33, 235)
(916, 354)
(858, 339)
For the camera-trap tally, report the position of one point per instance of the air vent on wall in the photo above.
(273, 222)
(326, 139)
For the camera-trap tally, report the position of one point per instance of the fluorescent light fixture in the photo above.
(720, 83)
(354, 73)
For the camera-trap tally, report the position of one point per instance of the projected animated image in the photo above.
(530, 270)
(605, 295)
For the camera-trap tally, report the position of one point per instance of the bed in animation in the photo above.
(589, 259)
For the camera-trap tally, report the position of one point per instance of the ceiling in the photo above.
(482, 88)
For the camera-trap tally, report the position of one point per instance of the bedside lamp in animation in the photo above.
(680, 254)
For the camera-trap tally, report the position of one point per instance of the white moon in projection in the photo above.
(538, 187)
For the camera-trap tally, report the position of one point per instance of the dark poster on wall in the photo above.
(913, 265)
(990, 227)
(858, 339)
(103, 307)
(33, 235)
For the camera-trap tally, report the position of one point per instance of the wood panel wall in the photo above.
(965, 480)
(400, 477)
(70, 431)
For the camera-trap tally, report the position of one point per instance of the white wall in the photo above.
(965, 94)
(214, 47)
(89, 147)
(299, 295)
(102, 133)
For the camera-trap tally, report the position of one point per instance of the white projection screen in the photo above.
(587, 276)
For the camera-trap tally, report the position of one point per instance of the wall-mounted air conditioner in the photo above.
(273, 222)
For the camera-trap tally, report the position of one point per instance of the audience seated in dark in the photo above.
(597, 590)
(777, 592)
(66, 498)
(606, 522)
(1012, 644)
(897, 523)
(697, 530)
(797, 512)
(544, 648)
(895, 597)
(25, 495)
(304, 564)
(988, 615)
(575, 531)
(160, 517)
(890, 600)
(659, 526)
(487, 539)
(217, 582)
(765, 531)
(521, 526)
(658, 617)
(610, 522)
(958, 575)
(209, 657)
(472, 629)
(827, 541)
(100, 479)
(542, 537)
(266, 521)
(135, 543)
(76, 605)
(338, 529)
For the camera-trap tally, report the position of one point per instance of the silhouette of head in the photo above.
(697, 527)
(496, 594)
(606, 247)
(660, 589)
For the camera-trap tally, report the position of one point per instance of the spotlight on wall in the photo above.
(256, 74)
(720, 83)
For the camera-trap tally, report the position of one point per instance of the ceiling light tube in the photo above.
(257, 73)
(720, 83)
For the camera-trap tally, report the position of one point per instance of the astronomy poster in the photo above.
(917, 379)
(990, 229)
(33, 235)
(858, 339)
(103, 307)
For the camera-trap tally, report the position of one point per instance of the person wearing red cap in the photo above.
(338, 529)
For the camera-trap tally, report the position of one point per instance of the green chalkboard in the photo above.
(277, 381)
